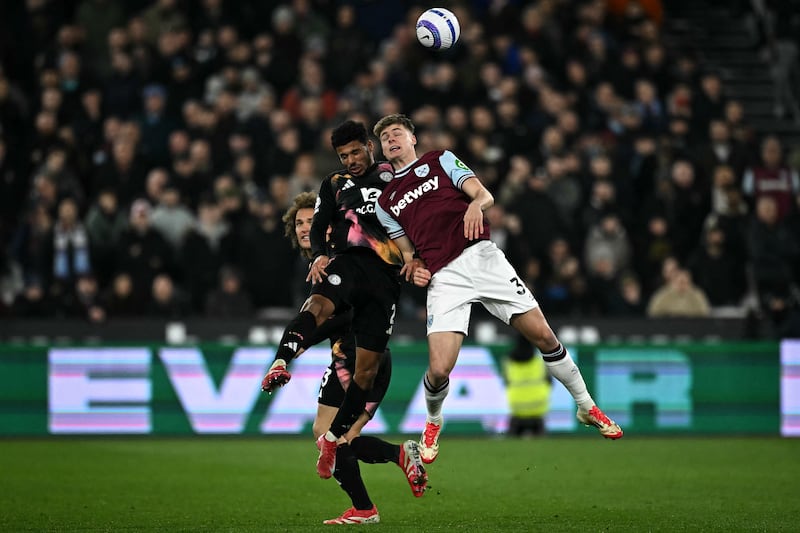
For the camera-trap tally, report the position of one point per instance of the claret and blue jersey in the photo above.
(427, 193)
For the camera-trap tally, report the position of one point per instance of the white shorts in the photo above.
(480, 274)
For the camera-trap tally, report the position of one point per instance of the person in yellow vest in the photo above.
(528, 391)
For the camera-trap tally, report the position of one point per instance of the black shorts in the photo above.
(337, 378)
(371, 287)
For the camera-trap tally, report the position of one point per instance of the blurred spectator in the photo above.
(628, 301)
(70, 246)
(12, 191)
(563, 289)
(538, 215)
(741, 131)
(162, 16)
(156, 126)
(155, 183)
(142, 251)
(774, 251)
(254, 89)
(122, 95)
(772, 177)
(608, 240)
(204, 250)
(709, 102)
(311, 82)
(266, 258)
(653, 244)
(720, 150)
(607, 254)
(228, 300)
(124, 172)
(33, 302)
(11, 282)
(348, 47)
(170, 217)
(679, 298)
(105, 224)
(97, 18)
(31, 242)
(56, 168)
(686, 202)
(82, 300)
(120, 300)
(718, 272)
(166, 300)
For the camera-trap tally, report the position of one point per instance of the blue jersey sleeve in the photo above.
(456, 170)
(391, 226)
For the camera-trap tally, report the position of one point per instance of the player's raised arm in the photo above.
(482, 200)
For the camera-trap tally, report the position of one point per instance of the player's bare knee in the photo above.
(319, 306)
(438, 372)
(536, 329)
(319, 428)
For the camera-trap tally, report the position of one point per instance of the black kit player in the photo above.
(334, 383)
(362, 272)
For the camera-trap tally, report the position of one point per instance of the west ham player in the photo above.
(363, 274)
(434, 208)
(335, 380)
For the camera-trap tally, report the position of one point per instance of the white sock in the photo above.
(564, 369)
(434, 398)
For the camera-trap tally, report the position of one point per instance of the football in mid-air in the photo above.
(438, 29)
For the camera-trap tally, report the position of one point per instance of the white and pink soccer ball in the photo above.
(438, 29)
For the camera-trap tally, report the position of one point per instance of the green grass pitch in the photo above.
(580, 484)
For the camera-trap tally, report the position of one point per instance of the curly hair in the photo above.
(304, 200)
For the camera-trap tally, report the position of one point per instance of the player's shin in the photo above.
(564, 369)
(348, 474)
(296, 332)
(373, 450)
(355, 399)
(434, 398)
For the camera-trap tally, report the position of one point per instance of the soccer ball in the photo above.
(438, 29)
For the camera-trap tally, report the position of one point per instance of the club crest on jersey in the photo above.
(386, 176)
(334, 279)
(422, 171)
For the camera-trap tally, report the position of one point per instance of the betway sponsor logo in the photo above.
(411, 195)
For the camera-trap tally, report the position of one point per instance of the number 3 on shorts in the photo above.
(324, 381)
(518, 284)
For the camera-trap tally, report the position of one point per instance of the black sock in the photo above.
(373, 450)
(355, 399)
(348, 475)
(299, 329)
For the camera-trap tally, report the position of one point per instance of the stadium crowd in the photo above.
(148, 150)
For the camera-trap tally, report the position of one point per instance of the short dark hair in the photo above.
(347, 132)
